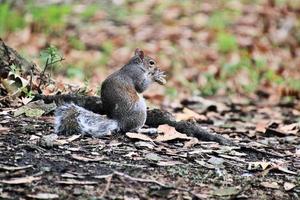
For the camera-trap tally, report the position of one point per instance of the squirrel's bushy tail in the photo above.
(72, 119)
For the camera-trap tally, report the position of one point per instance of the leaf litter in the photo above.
(172, 158)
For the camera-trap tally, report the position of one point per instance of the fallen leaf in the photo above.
(29, 112)
(216, 161)
(68, 140)
(232, 158)
(205, 164)
(153, 157)
(143, 144)
(139, 136)
(48, 140)
(131, 155)
(297, 152)
(188, 114)
(257, 165)
(22, 180)
(261, 126)
(272, 185)
(203, 105)
(26, 100)
(192, 142)
(86, 159)
(286, 170)
(35, 109)
(34, 137)
(168, 163)
(290, 129)
(11, 168)
(226, 191)
(169, 133)
(4, 129)
(43, 196)
(288, 186)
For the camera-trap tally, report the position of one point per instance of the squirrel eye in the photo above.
(151, 62)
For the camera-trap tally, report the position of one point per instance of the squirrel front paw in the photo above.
(159, 76)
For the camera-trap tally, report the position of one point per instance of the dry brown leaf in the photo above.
(139, 136)
(286, 170)
(68, 140)
(256, 165)
(43, 196)
(272, 185)
(288, 186)
(205, 164)
(26, 100)
(168, 163)
(11, 168)
(192, 142)
(22, 180)
(188, 114)
(240, 160)
(261, 126)
(4, 129)
(86, 159)
(290, 129)
(169, 133)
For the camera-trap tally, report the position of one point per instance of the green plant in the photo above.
(226, 42)
(10, 19)
(50, 57)
(89, 11)
(107, 48)
(212, 85)
(171, 92)
(50, 18)
(75, 72)
(76, 43)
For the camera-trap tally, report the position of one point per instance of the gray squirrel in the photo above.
(121, 99)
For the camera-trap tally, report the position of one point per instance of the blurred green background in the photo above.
(207, 47)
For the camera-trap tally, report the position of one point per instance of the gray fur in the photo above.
(72, 119)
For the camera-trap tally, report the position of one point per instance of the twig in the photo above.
(44, 71)
(154, 182)
(30, 81)
(142, 180)
(108, 180)
(42, 76)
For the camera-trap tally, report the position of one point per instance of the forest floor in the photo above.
(38, 166)
(207, 48)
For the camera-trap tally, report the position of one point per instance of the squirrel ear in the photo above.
(140, 53)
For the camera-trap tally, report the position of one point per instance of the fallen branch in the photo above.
(108, 183)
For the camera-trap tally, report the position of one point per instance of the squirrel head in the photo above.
(140, 58)
(141, 65)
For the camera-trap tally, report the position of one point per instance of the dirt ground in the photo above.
(36, 166)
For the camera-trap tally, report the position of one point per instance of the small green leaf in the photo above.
(226, 42)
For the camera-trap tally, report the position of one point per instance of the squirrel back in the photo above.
(125, 107)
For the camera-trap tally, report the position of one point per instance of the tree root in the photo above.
(9, 57)
(155, 117)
